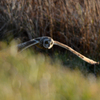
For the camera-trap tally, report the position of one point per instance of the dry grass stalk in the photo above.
(76, 19)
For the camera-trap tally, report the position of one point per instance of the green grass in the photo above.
(31, 76)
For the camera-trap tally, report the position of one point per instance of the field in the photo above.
(31, 76)
(54, 74)
(76, 23)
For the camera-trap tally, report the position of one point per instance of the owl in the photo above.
(46, 42)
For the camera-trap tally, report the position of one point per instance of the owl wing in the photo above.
(90, 61)
(25, 45)
(43, 42)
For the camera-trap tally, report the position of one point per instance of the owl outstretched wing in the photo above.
(90, 61)
(25, 45)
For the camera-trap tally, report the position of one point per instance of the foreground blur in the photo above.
(27, 76)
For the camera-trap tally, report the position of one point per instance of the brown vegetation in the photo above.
(76, 23)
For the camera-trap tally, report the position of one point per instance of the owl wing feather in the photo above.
(25, 45)
(90, 61)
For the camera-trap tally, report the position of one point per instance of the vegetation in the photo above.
(31, 76)
(35, 76)
(76, 23)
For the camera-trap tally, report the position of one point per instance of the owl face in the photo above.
(47, 42)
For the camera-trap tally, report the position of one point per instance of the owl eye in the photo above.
(51, 43)
(46, 42)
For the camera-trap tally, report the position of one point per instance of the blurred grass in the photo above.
(27, 76)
